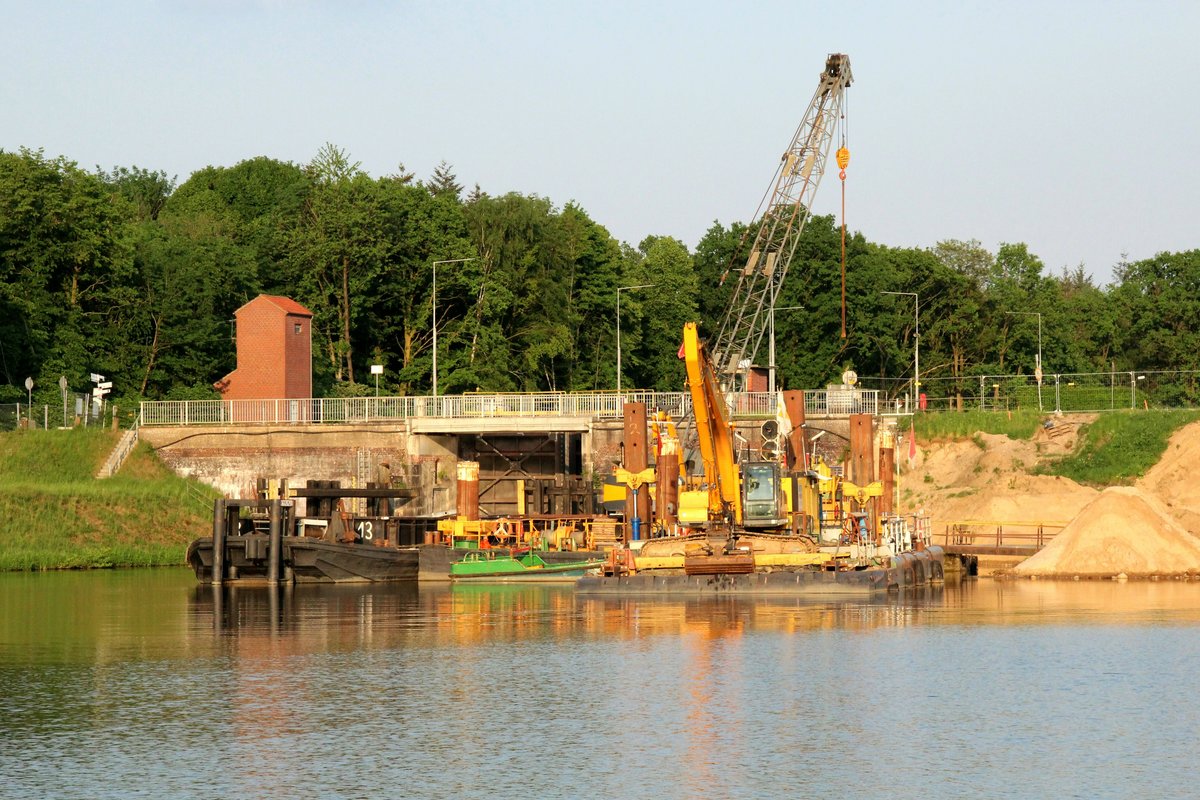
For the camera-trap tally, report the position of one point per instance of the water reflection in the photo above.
(337, 617)
(323, 618)
(534, 691)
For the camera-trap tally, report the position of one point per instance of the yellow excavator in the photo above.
(748, 495)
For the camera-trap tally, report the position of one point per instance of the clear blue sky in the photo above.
(1068, 126)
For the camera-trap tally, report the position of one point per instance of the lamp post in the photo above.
(1037, 371)
(435, 347)
(771, 366)
(1133, 389)
(916, 344)
(619, 290)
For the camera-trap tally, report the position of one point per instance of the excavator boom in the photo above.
(713, 430)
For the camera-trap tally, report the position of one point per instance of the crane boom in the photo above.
(779, 228)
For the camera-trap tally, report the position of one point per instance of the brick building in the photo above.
(274, 355)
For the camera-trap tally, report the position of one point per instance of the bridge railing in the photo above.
(595, 405)
(975, 535)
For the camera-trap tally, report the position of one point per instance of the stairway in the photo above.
(116, 458)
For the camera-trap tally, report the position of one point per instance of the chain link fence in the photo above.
(76, 410)
(1066, 392)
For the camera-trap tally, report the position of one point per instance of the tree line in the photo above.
(125, 273)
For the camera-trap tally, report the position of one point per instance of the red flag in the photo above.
(912, 446)
(680, 353)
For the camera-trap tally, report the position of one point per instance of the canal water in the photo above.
(124, 684)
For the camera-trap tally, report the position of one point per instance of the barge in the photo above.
(267, 541)
(751, 573)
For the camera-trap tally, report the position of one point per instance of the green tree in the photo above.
(65, 267)
(336, 253)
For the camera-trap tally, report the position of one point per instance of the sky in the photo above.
(1067, 126)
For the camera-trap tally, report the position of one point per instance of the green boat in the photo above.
(482, 565)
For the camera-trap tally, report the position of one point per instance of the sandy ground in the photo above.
(1150, 528)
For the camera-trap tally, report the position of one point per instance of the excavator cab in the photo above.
(763, 503)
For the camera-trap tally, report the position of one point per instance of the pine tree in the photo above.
(444, 181)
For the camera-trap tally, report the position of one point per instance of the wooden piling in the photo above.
(275, 543)
(220, 520)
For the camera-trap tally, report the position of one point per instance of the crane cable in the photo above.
(843, 160)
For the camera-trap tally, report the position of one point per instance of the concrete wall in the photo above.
(232, 459)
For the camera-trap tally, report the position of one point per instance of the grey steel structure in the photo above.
(794, 184)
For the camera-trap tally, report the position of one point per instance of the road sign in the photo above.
(96, 378)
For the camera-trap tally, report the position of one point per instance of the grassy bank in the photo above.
(951, 425)
(55, 515)
(1120, 446)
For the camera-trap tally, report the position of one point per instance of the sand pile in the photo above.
(986, 479)
(1122, 531)
(1013, 499)
(1172, 478)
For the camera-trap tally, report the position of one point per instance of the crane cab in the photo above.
(763, 503)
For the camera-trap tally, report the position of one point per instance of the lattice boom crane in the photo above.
(780, 225)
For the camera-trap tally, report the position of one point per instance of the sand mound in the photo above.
(985, 479)
(1016, 499)
(1172, 478)
(1122, 530)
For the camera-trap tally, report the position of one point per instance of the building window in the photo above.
(299, 328)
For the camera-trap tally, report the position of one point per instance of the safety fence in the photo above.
(75, 410)
(594, 405)
(996, 536)
(1065, 392)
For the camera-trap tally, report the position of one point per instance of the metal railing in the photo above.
(995, 535)
(594, 405)
(116, 458)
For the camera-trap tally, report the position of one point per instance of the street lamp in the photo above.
(771, 366)
(435, 347)
(619, 290)
(1037, 372)
(916, 344)
(1133, 389)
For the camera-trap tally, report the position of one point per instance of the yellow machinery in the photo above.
(751, 495)
(748, 495)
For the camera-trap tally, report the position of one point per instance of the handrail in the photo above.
(958, 533)
(124, 447)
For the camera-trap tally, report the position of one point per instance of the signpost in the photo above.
(29, 393)
(103, 387)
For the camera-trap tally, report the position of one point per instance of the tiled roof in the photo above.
(287, 304)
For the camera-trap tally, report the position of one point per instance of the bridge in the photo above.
(541, 452)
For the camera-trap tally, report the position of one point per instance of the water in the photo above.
(140, 684)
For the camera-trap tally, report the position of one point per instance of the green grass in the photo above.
(55, 515)
(969, 424)
(1120, 446)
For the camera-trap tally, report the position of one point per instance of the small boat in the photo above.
(482, 565)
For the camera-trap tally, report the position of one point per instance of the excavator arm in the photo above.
(713, 430)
